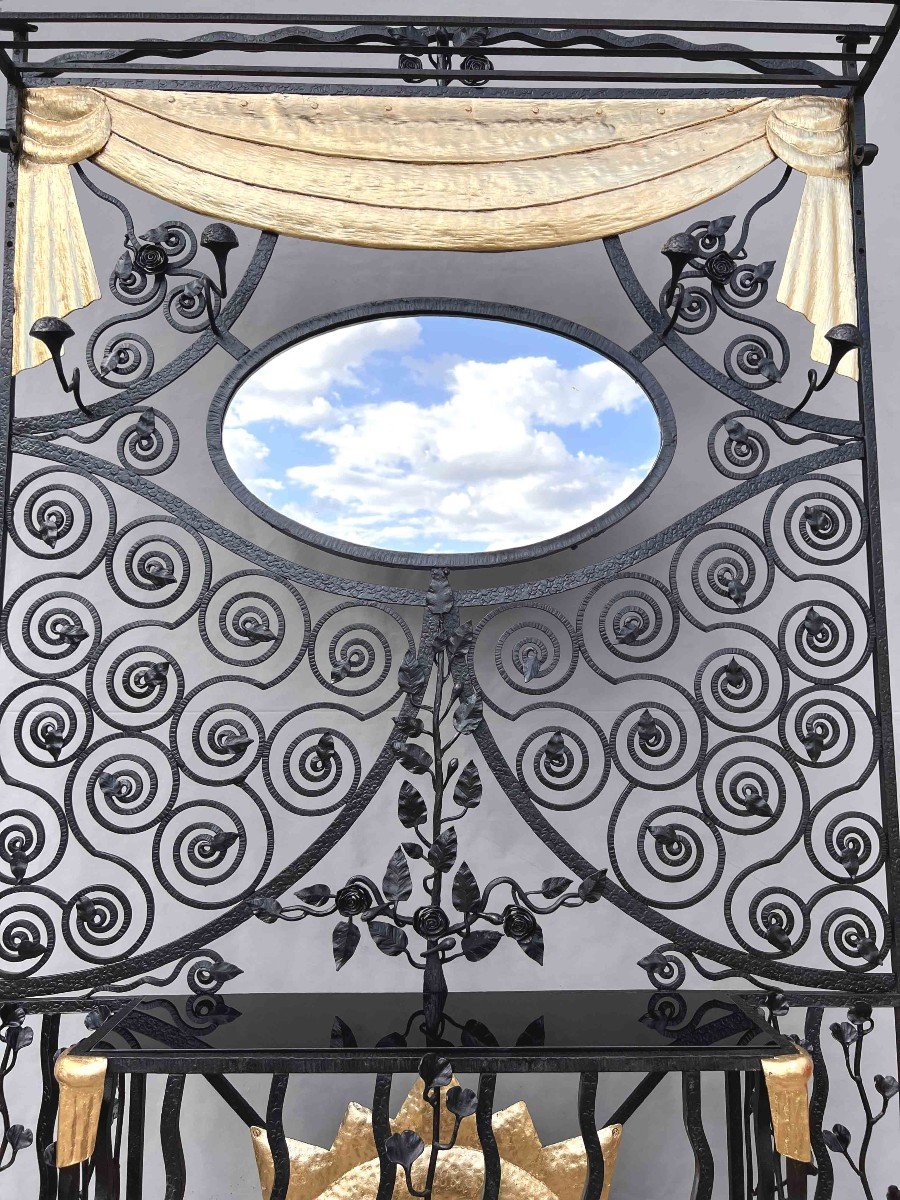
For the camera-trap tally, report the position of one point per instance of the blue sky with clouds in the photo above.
(440, 434)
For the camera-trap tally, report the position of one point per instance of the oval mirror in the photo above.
(440, 434)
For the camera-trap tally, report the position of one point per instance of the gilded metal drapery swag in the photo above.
(477, 174)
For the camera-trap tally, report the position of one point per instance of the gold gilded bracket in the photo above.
(787, 1080)
(80, 1079)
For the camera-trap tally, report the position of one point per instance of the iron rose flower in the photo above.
(431, 922)
(721, 267)
(518, 923)
(151, 258)
(353, 900)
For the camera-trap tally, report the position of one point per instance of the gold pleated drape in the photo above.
(450, 173)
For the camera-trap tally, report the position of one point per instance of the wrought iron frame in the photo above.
(335, 55)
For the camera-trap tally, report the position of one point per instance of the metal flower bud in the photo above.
(220, 239)
(54, 332)
(842, 339)
(679, 250)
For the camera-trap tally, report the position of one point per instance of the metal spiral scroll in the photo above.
(182, 698)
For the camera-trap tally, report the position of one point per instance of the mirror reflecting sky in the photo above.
(440, 434)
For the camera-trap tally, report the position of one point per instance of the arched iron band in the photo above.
(112, 972)
(602, 571)
(685, 939)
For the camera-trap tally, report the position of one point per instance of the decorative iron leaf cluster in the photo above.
(17, 1036)
(440, 707)
(850, 1035)
(404, 1148)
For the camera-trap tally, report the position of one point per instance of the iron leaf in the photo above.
(442, 853)
(474, 1033)
(415, 759)
(476, 946)
(591, 889)
(397, 883)
(468, 715)
(411, 807)
(534, 946)
(344, 940)
(462, 1102)
(388, 938)
(466, 892)
(410, 677)
(468, 790)
(342, 1036)
(316, 895)
(404, 1148)
(554, 886)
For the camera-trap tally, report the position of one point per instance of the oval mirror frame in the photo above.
(425, 307)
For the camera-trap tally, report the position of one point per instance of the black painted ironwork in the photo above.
(727, 730)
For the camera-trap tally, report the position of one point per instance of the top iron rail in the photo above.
(234, 17)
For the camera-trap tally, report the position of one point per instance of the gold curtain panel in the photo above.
(428, 173)
(81, 1079)
(787, 1082)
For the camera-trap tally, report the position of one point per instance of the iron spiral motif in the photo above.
(182, 698)
(438, 710)
(721, 279)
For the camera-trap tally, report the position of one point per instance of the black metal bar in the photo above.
(887, 769)
(104, 1161)
(484, 1123)
(587, 1123)
(704, 1166)
(761, 90)
(7, 379)
(381, 1130)
(137, 1110)
(159, 47)
(281, 1161)
(235, 1100)
(817, 1102)
(105, 1028)
(630, 1106)
(765, 1150)
(170, 1139)
(734, 1135)
(175, 70)
(880, 52)
(192, 17)
(47, 1173)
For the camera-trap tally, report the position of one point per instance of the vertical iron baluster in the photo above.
(587, 1123)
(765, 1150)
(47, 1173)
(734, 1136)
(137, 1106)
(105, 1166)
(750, 1082)
(281, 1160)
(170, 1137)
(704, 1167)
(797, 1177)
(381, 1128)
(484, 1118)
(69, 1183)
(817, 1102)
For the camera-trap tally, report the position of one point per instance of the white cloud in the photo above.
(247, 455)
(481, 467)
(294, 386)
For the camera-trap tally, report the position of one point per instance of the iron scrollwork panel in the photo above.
(732, 650)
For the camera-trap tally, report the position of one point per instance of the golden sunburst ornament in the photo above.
(350, 1169)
